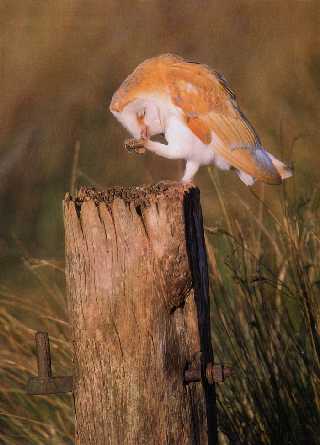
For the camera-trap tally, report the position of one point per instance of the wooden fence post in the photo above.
(137, 283)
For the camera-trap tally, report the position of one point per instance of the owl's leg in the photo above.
(165, 150)
(191, 169)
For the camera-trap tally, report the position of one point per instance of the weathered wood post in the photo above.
(137, 282)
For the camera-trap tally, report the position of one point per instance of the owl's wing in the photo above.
(212, 113)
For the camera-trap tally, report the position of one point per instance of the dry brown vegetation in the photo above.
(59, 65)
(266, 318)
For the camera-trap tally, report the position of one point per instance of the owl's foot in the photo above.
(135, 145)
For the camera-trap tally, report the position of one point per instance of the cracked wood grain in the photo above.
(139, 315)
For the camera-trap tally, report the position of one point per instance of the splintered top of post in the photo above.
(140, 196)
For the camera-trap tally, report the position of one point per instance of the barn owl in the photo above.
(197, 112)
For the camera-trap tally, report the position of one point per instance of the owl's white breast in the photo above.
(185, 144)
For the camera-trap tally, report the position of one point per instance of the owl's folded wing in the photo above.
(211, 112)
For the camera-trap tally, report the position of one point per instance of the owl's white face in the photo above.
(142, 117)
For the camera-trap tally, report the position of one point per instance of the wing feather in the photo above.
(212, 113)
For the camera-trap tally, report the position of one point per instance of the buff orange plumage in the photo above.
(197, 112)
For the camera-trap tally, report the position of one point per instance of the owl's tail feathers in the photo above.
(267, 169)
(283, 170)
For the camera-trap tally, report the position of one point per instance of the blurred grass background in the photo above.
(60, 62)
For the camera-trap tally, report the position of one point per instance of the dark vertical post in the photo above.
(199, 269)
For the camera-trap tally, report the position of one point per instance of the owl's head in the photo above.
(142, 116)
(142, 99)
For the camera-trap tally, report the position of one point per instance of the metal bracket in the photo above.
(213, 373)
(45, 383)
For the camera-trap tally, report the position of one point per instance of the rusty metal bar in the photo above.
(213, 373)
(43, 354)
(45, 383)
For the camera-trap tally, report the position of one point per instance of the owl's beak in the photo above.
(144, 132)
